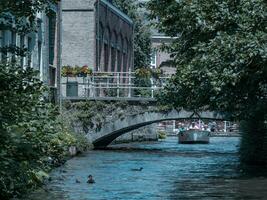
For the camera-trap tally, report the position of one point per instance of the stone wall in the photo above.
(87, 117)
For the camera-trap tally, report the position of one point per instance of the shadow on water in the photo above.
(170, 171)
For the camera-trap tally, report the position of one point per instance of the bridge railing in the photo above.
(112, 85)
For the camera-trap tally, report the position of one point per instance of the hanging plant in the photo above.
(85, 70)
(143, 73)
(76, 70)
(67, 71)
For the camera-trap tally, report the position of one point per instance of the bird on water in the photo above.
(140, 169)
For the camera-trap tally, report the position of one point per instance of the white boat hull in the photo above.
(194, 137)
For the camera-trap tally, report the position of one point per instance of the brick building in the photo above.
(161, 59)
(97, 34)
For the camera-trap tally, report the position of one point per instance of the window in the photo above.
(29, 52)
(106, 49)
(39, 43)
(13, 38)
(106, 57)
(39, 54)
(153, 62)
(3, 43)
(113, 59)
(113, 51)
(22, 46)
(13, 44)
(52, 35)
(125, 56)
(52, 76)
(118, 61)
(119, 53)
(125, 62)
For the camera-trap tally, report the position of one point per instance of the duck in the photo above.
(140, 169)
(77, 181)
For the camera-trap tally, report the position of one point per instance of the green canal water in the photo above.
(170, 171)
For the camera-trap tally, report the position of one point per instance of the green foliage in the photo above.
(33, 137)
(32, 133)
(89, 116)
(162, 134)
(254, 140)
(68, 71)
(220, 53)
(20, 16)
(142, 43)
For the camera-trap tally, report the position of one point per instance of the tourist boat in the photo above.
(194, 136)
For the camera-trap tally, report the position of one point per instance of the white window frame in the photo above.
(153, 59)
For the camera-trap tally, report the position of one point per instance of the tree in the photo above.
(20, 16)
(220, 54)
(33, 137)
(142, 43)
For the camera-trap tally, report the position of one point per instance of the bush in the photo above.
(162, 134)
(33, 136)
(253, 149)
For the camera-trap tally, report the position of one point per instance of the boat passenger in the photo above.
(193, 126)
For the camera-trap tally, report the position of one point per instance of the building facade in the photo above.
(161, 59)
(41, 48)
(97, 34)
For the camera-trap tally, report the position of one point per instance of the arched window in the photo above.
(125, 55)
(99, 44)
(106, 49)
(119, 53)
(113, 51)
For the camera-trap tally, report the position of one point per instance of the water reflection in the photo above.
(170, 171)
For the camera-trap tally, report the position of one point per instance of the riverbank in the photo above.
(30, 169)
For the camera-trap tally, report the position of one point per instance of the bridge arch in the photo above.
(110, 131)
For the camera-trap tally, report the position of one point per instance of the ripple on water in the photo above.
(170, 171)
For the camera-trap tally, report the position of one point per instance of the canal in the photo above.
(170, 171)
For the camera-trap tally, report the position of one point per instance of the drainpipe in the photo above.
(59, 50)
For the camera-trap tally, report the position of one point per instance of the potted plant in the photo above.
(85, 70)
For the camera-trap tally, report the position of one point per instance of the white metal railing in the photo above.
(112, 85)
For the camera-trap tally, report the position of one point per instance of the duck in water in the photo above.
(90, 179)
(140, 169)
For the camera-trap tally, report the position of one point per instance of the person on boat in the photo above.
(181, 128)
(193, 126)
(90, 179)
(213, 126)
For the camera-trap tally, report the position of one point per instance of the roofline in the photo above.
(118, 11)
(162, 37)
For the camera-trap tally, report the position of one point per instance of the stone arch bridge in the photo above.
(111, 130)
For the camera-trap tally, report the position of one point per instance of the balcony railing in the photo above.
(110, 85)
